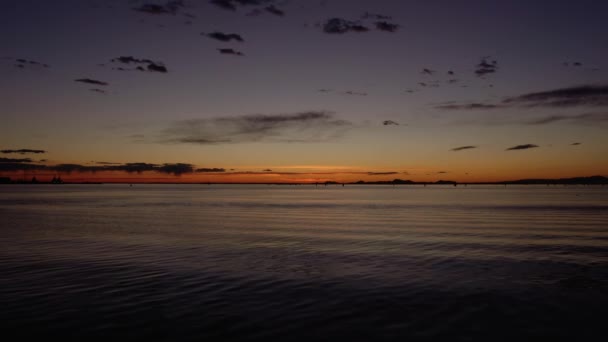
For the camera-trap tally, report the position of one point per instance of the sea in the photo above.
(199, 262)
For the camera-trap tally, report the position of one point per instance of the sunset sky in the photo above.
(303, 90)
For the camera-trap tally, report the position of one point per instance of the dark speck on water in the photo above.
(260, 263)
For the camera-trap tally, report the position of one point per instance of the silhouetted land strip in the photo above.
(592, 180)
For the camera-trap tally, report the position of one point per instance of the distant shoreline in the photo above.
(592, 180)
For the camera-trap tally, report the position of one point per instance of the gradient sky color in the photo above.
(305, 103)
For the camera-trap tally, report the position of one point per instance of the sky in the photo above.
(303, 90)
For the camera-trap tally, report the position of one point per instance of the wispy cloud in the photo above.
(462, 148)
(468, 106)
(143, 64)
(23, 151)
(585, 95)
(23, 63)
(390, 123)
(176, 169)
(486, 66)
(341, 26)
(521, 147)
(15, 160)
(272, 9)
(585, 119)
(232, 5)
(170, 7)
(224, 37)
(312, 126)
(91, 81)
(230, 52)
(210, 170)
(386, 26)
(569, 97)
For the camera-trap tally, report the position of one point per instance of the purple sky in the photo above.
(310, 90)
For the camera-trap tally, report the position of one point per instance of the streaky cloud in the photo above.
(274, 10)
(170, 7)
(486, 66)
(386, 26)
(341, 26)
(91, 81)
(224, 37)
(310, 126)
(23, 151)
(584, 95)
(521, 147)
(15, 160)
(230, 52)
(468, 106)
(585, 118)
(462, 148)
(210, 170)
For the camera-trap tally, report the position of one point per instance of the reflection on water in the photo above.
(189, 262)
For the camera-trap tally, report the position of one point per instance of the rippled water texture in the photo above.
(206, 263)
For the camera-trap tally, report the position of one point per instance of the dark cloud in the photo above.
(23, 151)
(15, 160)
(274, 10)
(340, 26)
(299, 127)
(91, 81)
(175, 169)
(486, 66)
(452, 81)
(129, 60)
(575, 144)
(233, 4)
(390, 123)
(461, 148)
(210, 170)
(230, 52)
(267, 170)
(579, 96)
(350, 92)
(105, 163)
(521, 147)
(157, 68)
(386, 26)
(23, 63)
(172, 169)
(225, 4)
(368, 15)
(224, 37)
(170, 7)
(585, 95)
(468, 106)
(143, 64)
(427, 71)
(96, 90)
(381, 173)
(8, 167)
(586, 118)
(450, 72)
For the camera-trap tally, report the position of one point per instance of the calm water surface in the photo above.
(252, 263)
